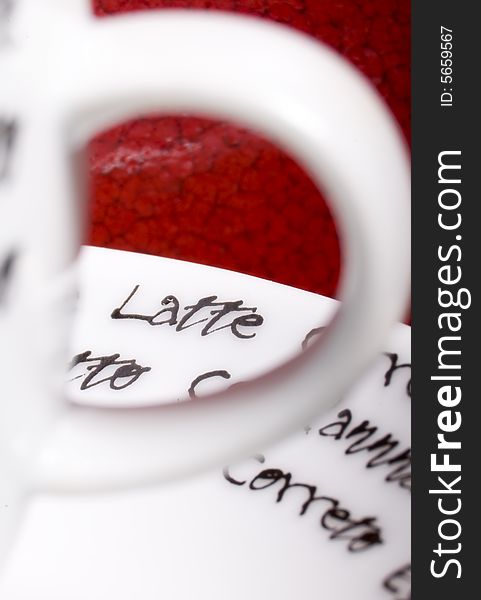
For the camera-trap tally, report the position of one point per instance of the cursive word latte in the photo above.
(214, 315)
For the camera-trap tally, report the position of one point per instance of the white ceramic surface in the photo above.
(206, 537)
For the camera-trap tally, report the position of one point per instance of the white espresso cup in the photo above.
(64, 76)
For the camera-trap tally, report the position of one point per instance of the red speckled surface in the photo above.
(210, 192)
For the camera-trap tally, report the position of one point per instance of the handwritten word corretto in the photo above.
(359, 534)
(214, 315)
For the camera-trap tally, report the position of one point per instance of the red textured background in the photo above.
(213, 193)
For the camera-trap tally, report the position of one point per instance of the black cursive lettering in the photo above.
(127, 370)
(398, 583)
(311, 335)
(360, 534)
(393, 357)
(381, 450)
(169, 315)
(226, 471)
(170, 304)
(192, 310)
(203, 377)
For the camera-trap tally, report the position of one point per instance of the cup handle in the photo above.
(307, 99)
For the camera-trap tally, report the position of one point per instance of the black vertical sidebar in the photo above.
(446, 203)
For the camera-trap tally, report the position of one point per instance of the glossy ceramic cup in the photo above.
(65, 76)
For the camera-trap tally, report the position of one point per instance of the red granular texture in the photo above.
(213, 193)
